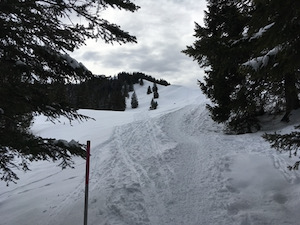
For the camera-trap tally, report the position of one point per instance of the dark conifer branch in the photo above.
(35, 36)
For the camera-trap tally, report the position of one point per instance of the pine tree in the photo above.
(277, 62)
(155, 94)
(141, 82)
(33, 42)
(149, 90)
(219, 46)
(278, 58)
(153, 104)
(154, 88)
(134, 101)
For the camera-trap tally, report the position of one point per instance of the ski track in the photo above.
(198, 179)
(137, 174)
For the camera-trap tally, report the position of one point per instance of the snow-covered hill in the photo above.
(170, 166)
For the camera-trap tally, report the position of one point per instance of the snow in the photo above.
(261, 31)
(262, 61)
(72, 62)
(169, 166)
(20, 63)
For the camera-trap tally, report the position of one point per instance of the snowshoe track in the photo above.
(137, 174)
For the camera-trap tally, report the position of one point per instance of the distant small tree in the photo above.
(141, 82)
(155, 94)
(154, 88)
(153, 104)
(134, 101)
(149, 91)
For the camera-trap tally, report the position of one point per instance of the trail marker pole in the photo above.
(87, 171)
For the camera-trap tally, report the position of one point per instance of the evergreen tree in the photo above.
(276, 61)
(220, 48)
(33, 42)
(275, 30)
(134, 101)
(260, 70)
(153, 104)
(141, 82)
(154, 88)
(155, 94)
(149, 90)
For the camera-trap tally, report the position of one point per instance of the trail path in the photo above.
(197, 175)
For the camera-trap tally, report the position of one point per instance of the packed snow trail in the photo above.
(197, 178)
(136, 175)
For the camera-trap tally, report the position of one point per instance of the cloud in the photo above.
(163, 29)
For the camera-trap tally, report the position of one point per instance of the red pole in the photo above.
(87, 171)
(88, 147)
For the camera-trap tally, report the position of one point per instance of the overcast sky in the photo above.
(163, 29)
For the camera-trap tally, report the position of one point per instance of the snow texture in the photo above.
(261, 61)
(169, 166)
(261, 31)
(72, 62)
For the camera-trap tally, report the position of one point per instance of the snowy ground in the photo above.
(170, 166)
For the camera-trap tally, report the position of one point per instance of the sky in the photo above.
(163, 29)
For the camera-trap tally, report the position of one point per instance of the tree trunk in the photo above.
(291, 95)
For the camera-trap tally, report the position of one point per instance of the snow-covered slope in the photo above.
(170, 166)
